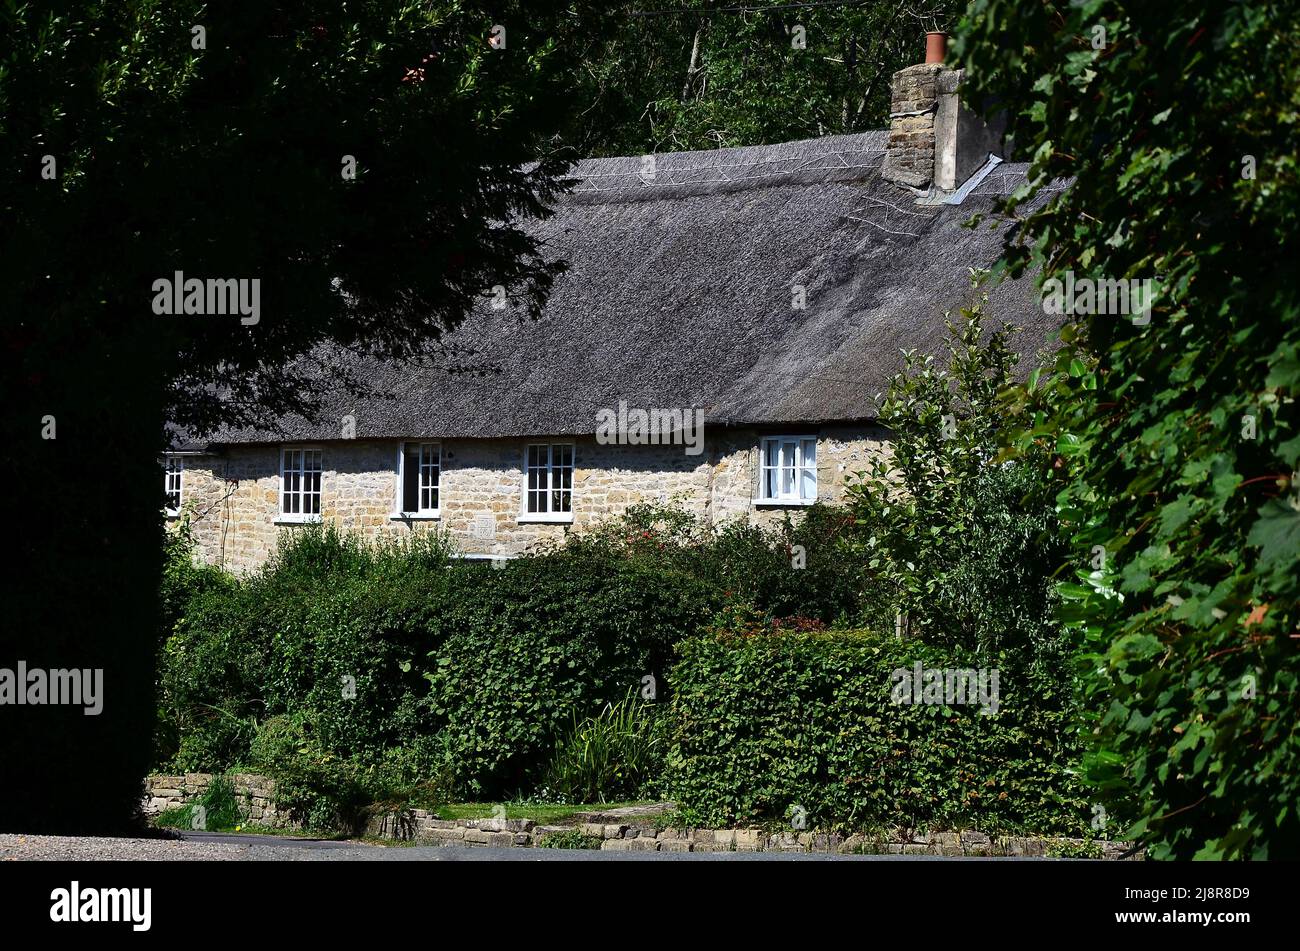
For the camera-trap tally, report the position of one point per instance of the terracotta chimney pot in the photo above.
(936, 47)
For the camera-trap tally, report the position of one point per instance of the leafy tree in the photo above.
(142, 139)
(698, 74)
(961, 546)
(1176, 432)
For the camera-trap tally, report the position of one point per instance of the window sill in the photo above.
(296, 520)
(553, 518)
(168, 513)
(784, 503)
(430, 516)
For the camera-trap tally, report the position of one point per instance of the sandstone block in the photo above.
(749, 840)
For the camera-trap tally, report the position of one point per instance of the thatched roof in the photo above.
(679, 294)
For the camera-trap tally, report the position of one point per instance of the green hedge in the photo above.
(462, 671)
(762, 723)
(478, 667)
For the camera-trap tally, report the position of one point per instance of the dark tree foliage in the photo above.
(671, 75)
(145, 138)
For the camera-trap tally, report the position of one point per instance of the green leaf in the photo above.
(1277, 534)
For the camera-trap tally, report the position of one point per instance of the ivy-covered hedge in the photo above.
(765, 724)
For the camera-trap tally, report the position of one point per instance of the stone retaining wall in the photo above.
(424, 829)
(613, 832)
(256, 796)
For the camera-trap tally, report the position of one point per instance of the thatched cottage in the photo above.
(726, 324)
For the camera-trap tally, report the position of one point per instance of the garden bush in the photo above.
(765, 726)
(959, 543)
(416, 670)
(319, 789)
(749, 563)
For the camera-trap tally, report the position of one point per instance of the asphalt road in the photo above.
(237, 847)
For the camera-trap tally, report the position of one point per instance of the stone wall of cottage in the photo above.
(232, 497)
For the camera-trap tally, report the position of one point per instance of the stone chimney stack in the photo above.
(935, 142)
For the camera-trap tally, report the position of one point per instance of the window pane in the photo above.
(430, 458)
(172, 482)
(787, 468)
(562, 479)
(410, 478)
(808, 469)
(285, 461)
(767, 468)
(313, 500)
(808, 483)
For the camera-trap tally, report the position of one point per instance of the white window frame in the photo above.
(173, 465)
(296, 518)
(551, 467)
(400, 513)
(802, 469)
